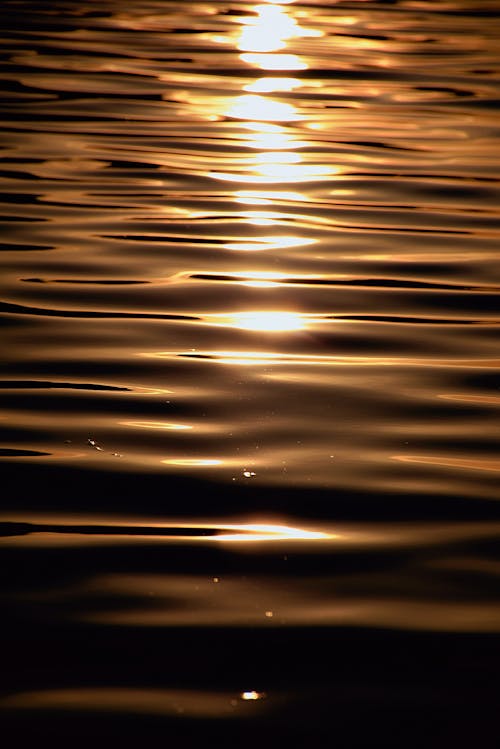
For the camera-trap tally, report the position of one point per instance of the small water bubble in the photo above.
(216, 579)
(269, 614)
(249, 474)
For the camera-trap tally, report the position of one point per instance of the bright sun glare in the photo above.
(268, 321)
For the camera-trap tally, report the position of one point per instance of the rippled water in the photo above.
(250, 383)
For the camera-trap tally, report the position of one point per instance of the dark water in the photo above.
(250, 380)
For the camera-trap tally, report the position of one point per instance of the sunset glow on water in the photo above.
(250, 374)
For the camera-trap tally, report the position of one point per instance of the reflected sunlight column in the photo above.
(277, 159)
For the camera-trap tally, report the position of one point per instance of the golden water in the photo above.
(250, 380)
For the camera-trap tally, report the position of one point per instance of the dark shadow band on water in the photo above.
(365, 687)
(56, 488)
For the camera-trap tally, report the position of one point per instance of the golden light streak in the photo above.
(126, 700)
(279, 173)
(260, 40)
(217, 531)
(265, 532)
(261, 218)
(451, 462)
(242, 358)
(251, 696)
(268, 243)
(193, 462)
(277, 157)
(256, 221)
(154, 425)
(259, 276)
(269, 30)
(263, 127)
(260, 284)
(253, 358)
(258, 197)
(254, 107)
(268, 85)
(275, 322)
(258, 279)
(274, 61)
(274, 140)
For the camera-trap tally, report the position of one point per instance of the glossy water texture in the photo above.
(250, 376)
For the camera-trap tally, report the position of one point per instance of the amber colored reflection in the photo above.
(260, 218)
(274, 62)
(279, 173)
(268, 135)
(261, 321)
(263, 33)
(57, 531)
(261, 532)
(193, 462)
(385, 600)
(259, 279)
(254, 107)
(278, 160)
(253, 358)
(262, 197)
(172, 702)
(268, 85)
(252, 695)
(272, 242)
(269, 29)
(155, 425)
(448, 461)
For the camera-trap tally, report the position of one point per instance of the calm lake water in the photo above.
(250, 376)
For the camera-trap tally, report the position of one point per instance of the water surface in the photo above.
(250, 380)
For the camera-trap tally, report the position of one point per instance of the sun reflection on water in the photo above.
(269, 29)
(156, 425)
(273, 242)
(274, 62)
(259, 279)
(264, 32)
(268, 321)
(268, 85)
(254, 107)
(262, 197)
(193, 462)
